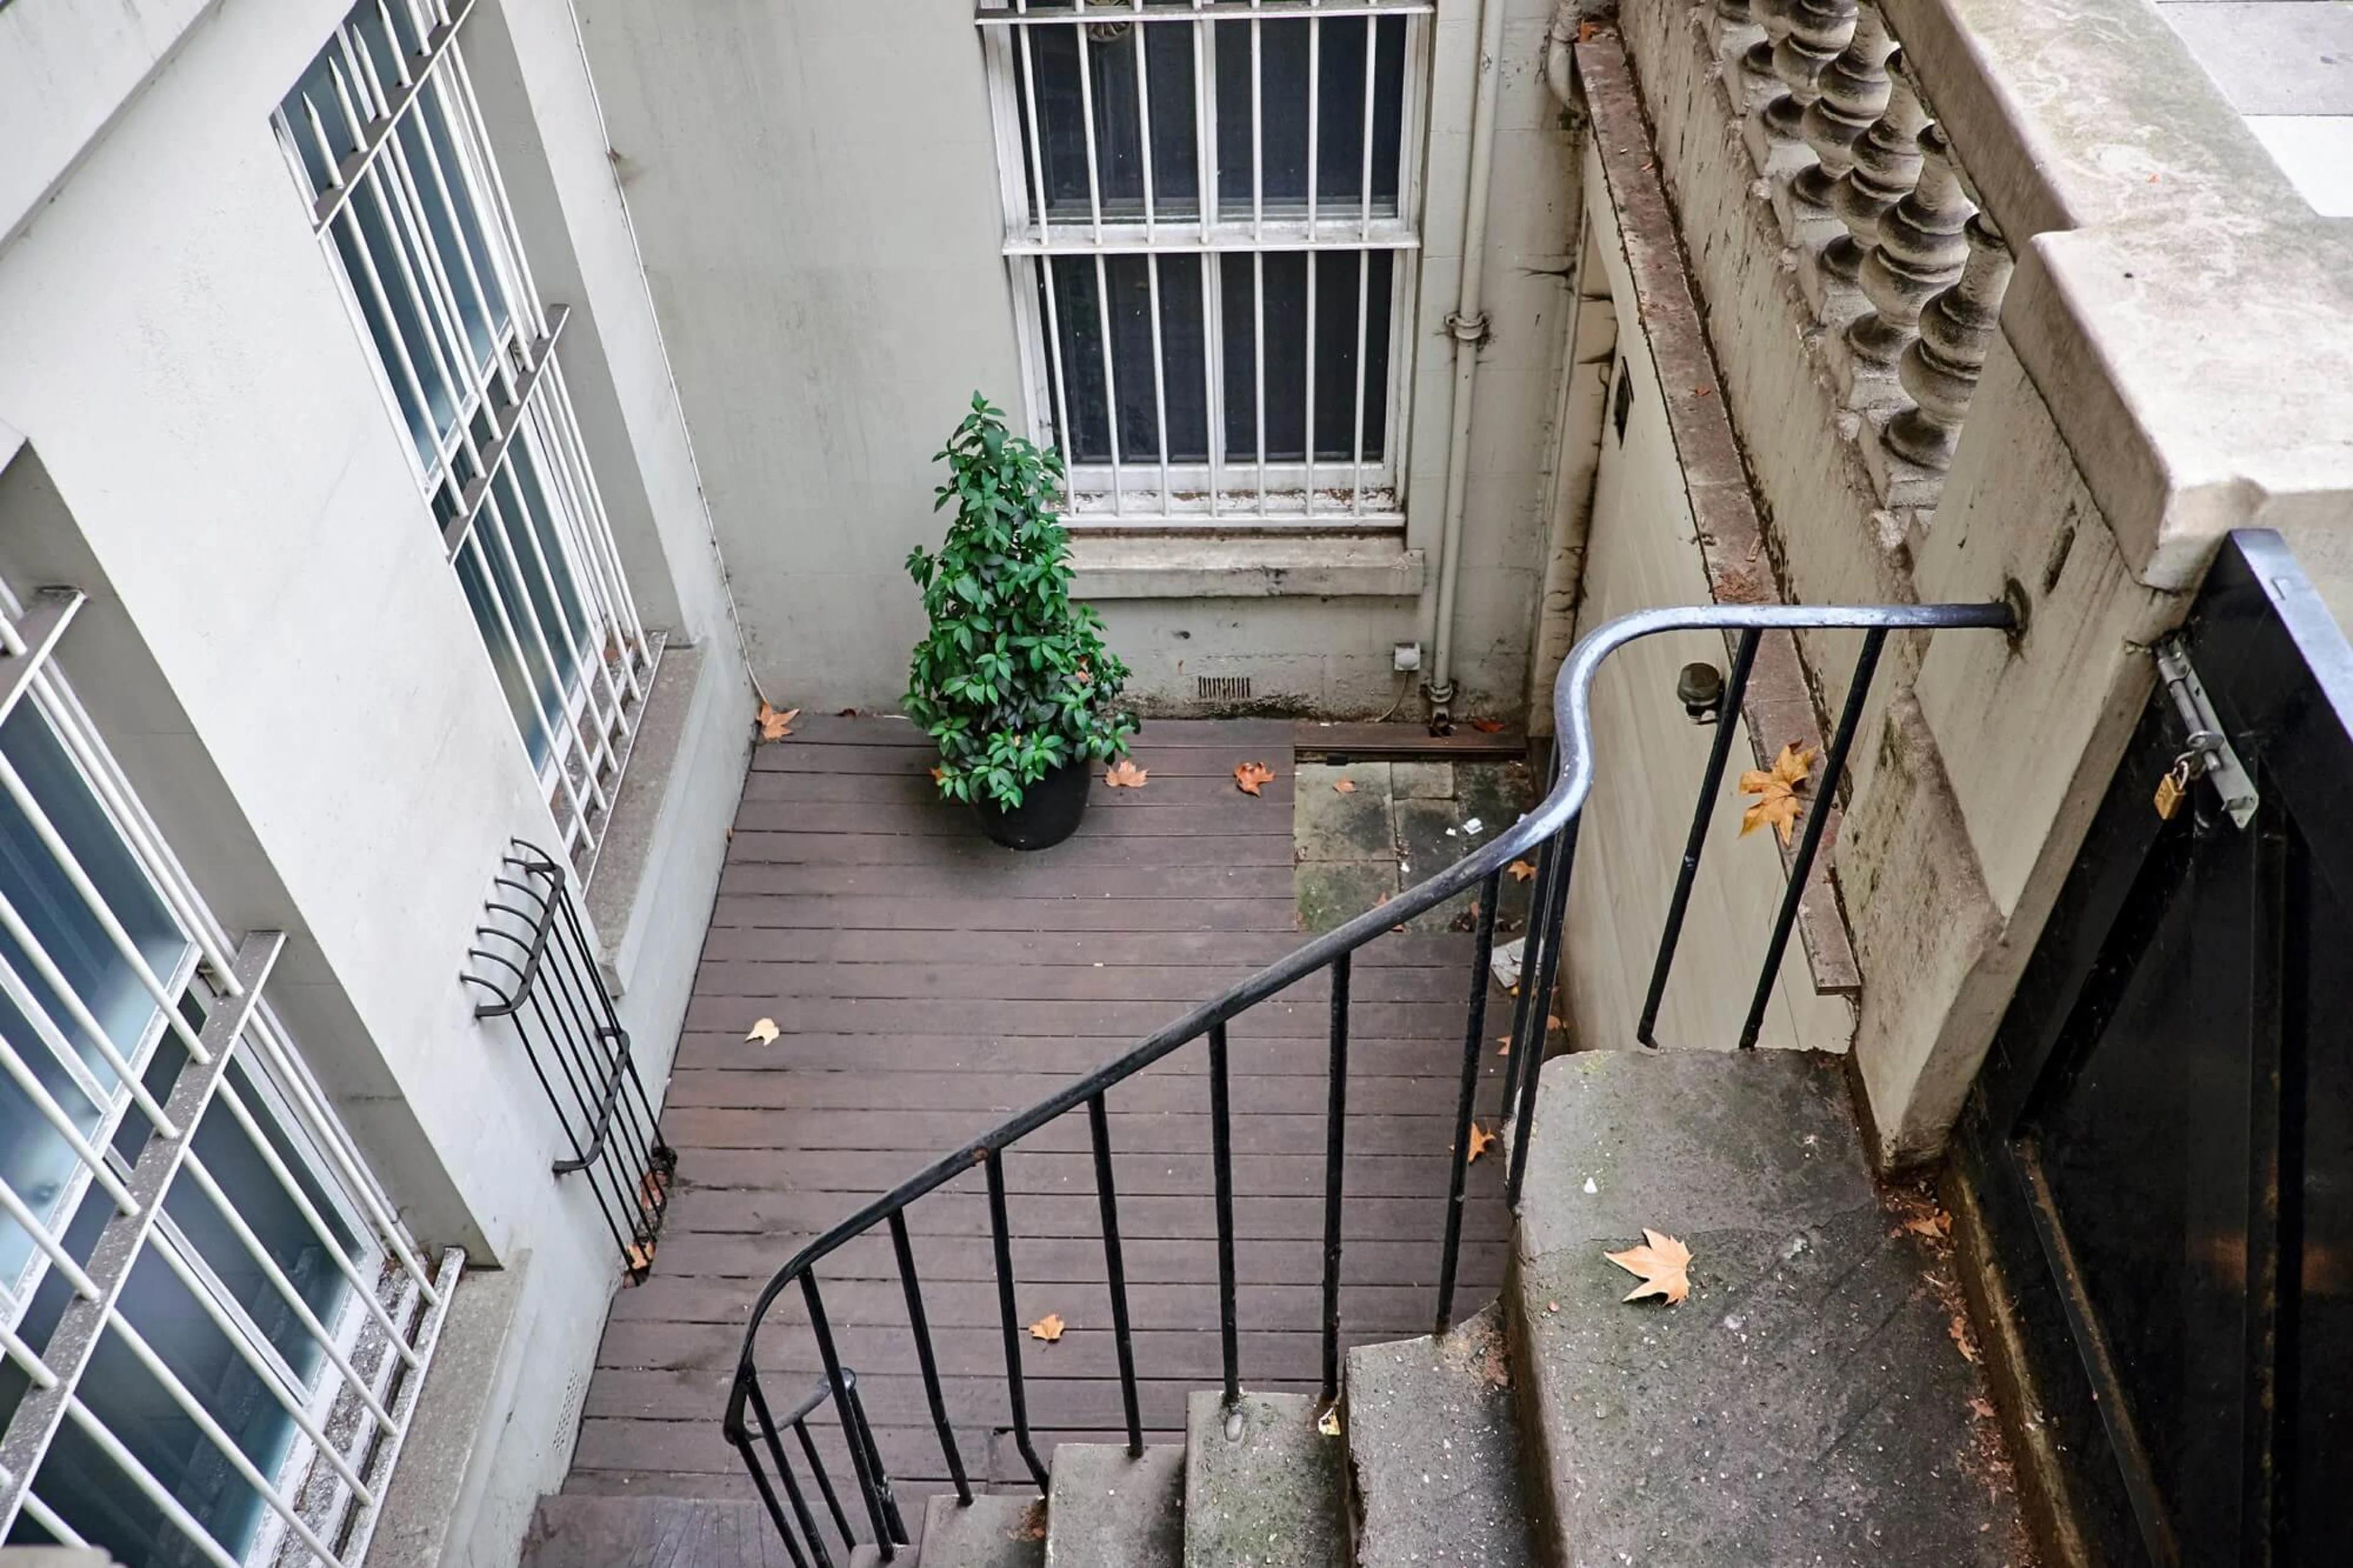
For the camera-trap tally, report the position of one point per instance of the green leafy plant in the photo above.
(1013, 679)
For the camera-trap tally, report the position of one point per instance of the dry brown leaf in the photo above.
(938, 773)
(1982, 1408)
(775, 723)
(1962, 1339)
(764, 1031)
(1487, 726)
(1503, 1044)
(1480, 1139)
(1329, 1422)
(1662, 1263)
(1048, 1328)
(1521, 870)
(1935, 1226)
(1248, 776)
(1777, 800)
(1124, 774)
(1553, 1022)
(640, 1256)
(1344, 786)
(1586, 31)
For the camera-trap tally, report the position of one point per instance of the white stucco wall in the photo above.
(817, 190)
(277, 649)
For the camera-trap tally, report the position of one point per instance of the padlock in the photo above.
(2173, 788)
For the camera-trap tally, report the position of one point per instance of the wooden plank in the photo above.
(1020, 879)
(1244, 815)
(1369, 1261)
(1296, 1094)
(885, 912)
(1280, 1019)
(983, 1056)
(1249, 949)
(1313, 741)
(1139, 851)
(915, 980)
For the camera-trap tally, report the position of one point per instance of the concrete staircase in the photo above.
(1815, 1400)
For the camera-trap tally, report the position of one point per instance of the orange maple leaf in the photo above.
(775, 723)
(1777, 800)
(1048, 1328)
(1124, 774)
(1488, 726)
(1248, 776)
(1663, 1265)
(1521, 870)
(1480, 1139)
(1344, 786)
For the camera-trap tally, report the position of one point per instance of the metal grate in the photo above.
(1221, 688)
(555, 997)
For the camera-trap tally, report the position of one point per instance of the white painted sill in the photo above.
(1243, 566)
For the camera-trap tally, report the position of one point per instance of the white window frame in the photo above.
(513, 400)
(1318, 495)
(321, 1502)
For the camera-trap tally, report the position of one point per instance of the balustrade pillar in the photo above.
(1819, 30)
(1886, 161)
(1773, 16)
(1941, 368)
(1919, 254)
(1851, 92)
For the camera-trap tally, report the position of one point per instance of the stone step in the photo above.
(1434, 1451)
(1262, 1486)
(998, 1531)
(583, 1531)
(1811, 1401)
(1107, 1510)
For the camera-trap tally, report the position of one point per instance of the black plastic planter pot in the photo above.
(1048, 812)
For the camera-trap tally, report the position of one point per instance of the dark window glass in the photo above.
(1338, 274)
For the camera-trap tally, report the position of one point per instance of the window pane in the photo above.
(1182, 343)
(532, 526)
(1111, 50)
(1284, 310)
(518, 677)
(1340, 142)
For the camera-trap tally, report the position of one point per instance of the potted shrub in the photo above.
(1013, 680)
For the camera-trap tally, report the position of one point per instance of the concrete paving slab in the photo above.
(1262, 1486)
(2271, 56)
(1332, 892)
(1329, 824)
(1811, 1402)
(1434, 1451)
(998, 1531)
(1107, 1510)
(2316, 152)
(1422, 780)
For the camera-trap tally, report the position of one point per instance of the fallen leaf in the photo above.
(1124, 774)
(1487, 726)
(938, 773)
(1552, 1022)
(1962, 1341)
(1982, 1408)
(1702, 392)
(640, 1256)
(1521, 870)
(1778, 801)
(1586, 31)
(1048, 1328)
(1503, 1044)
(1935, 1228)
(764, 1031)
(1344, 786)
(1480, 1139)
(847, 714)
(1662, 1263)
(1329, 1422)
(1248, 776)
(775, 723)
(652, 1189)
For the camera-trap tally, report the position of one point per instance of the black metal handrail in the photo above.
(1551, 829)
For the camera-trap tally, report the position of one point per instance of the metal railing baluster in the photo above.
(822, 1474)
(863, 1436)
(1335, 1156)
(1816, 818)
(1535, 987)
(1016, 1390)
(1482, 949)
(1727, 719)
(775, 1444)
(1221, 1156)
(823, 1331)
(925, 1359)
(1115, 1271)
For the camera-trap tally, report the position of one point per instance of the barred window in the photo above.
(1211, 223)
(386, 137)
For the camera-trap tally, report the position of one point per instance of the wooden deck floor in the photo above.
(929, 985)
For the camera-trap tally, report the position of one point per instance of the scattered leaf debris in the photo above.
(1777, 800)
(1248, 776)
(1124, 774)
(1048, 1328)
(1662, 1263)
(764, 1031)
(1329, 1422)
(1480, 1141)
(775, 723)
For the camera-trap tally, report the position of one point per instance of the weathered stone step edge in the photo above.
(1107, 1510)
(1272, 1496)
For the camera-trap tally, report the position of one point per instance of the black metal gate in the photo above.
(2162, 1140)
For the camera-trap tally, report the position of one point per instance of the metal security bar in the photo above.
(539, 970)
(384, 134)
(1212, 227)
(1550, 832)
(189, 1242)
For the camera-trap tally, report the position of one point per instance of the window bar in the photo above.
(1151, 259)
(328, 202)
(927, 1361)
(561, 783)
(1364, 267)
(592, 674)
(285, 1288)
(25, 1357)
(51, 1036)
(363, 1287)
(75, 1338)
(1111, 380)
(139, 1476)
(16, 1208)
(1159, 378)
(41, 1514)
(1087, 114)
(1258, 239)
(1307, 452)
(1213, 361)
(1313, 260)
(124, 947)
(1034, 129)
(196, 1411)
(1144, 123)
(1258, 355)
(619, 604)
(471, 141)
(30, 640)
(38, 1093)
(1823, 800)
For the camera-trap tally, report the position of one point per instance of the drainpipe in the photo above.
(1468, 325)
(1559, 67)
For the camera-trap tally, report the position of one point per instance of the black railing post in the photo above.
(1335, 1160)
(1727, 721)
(867, 1482)
(822, 1473)
(1009, 1314)
(1537, 985)
(864, 1438)
(1115, 1271)
(1221, 1155)
(925, 1359)
(1483, 951)
(1817, 817)
(747, 1381)
(775, 1446)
